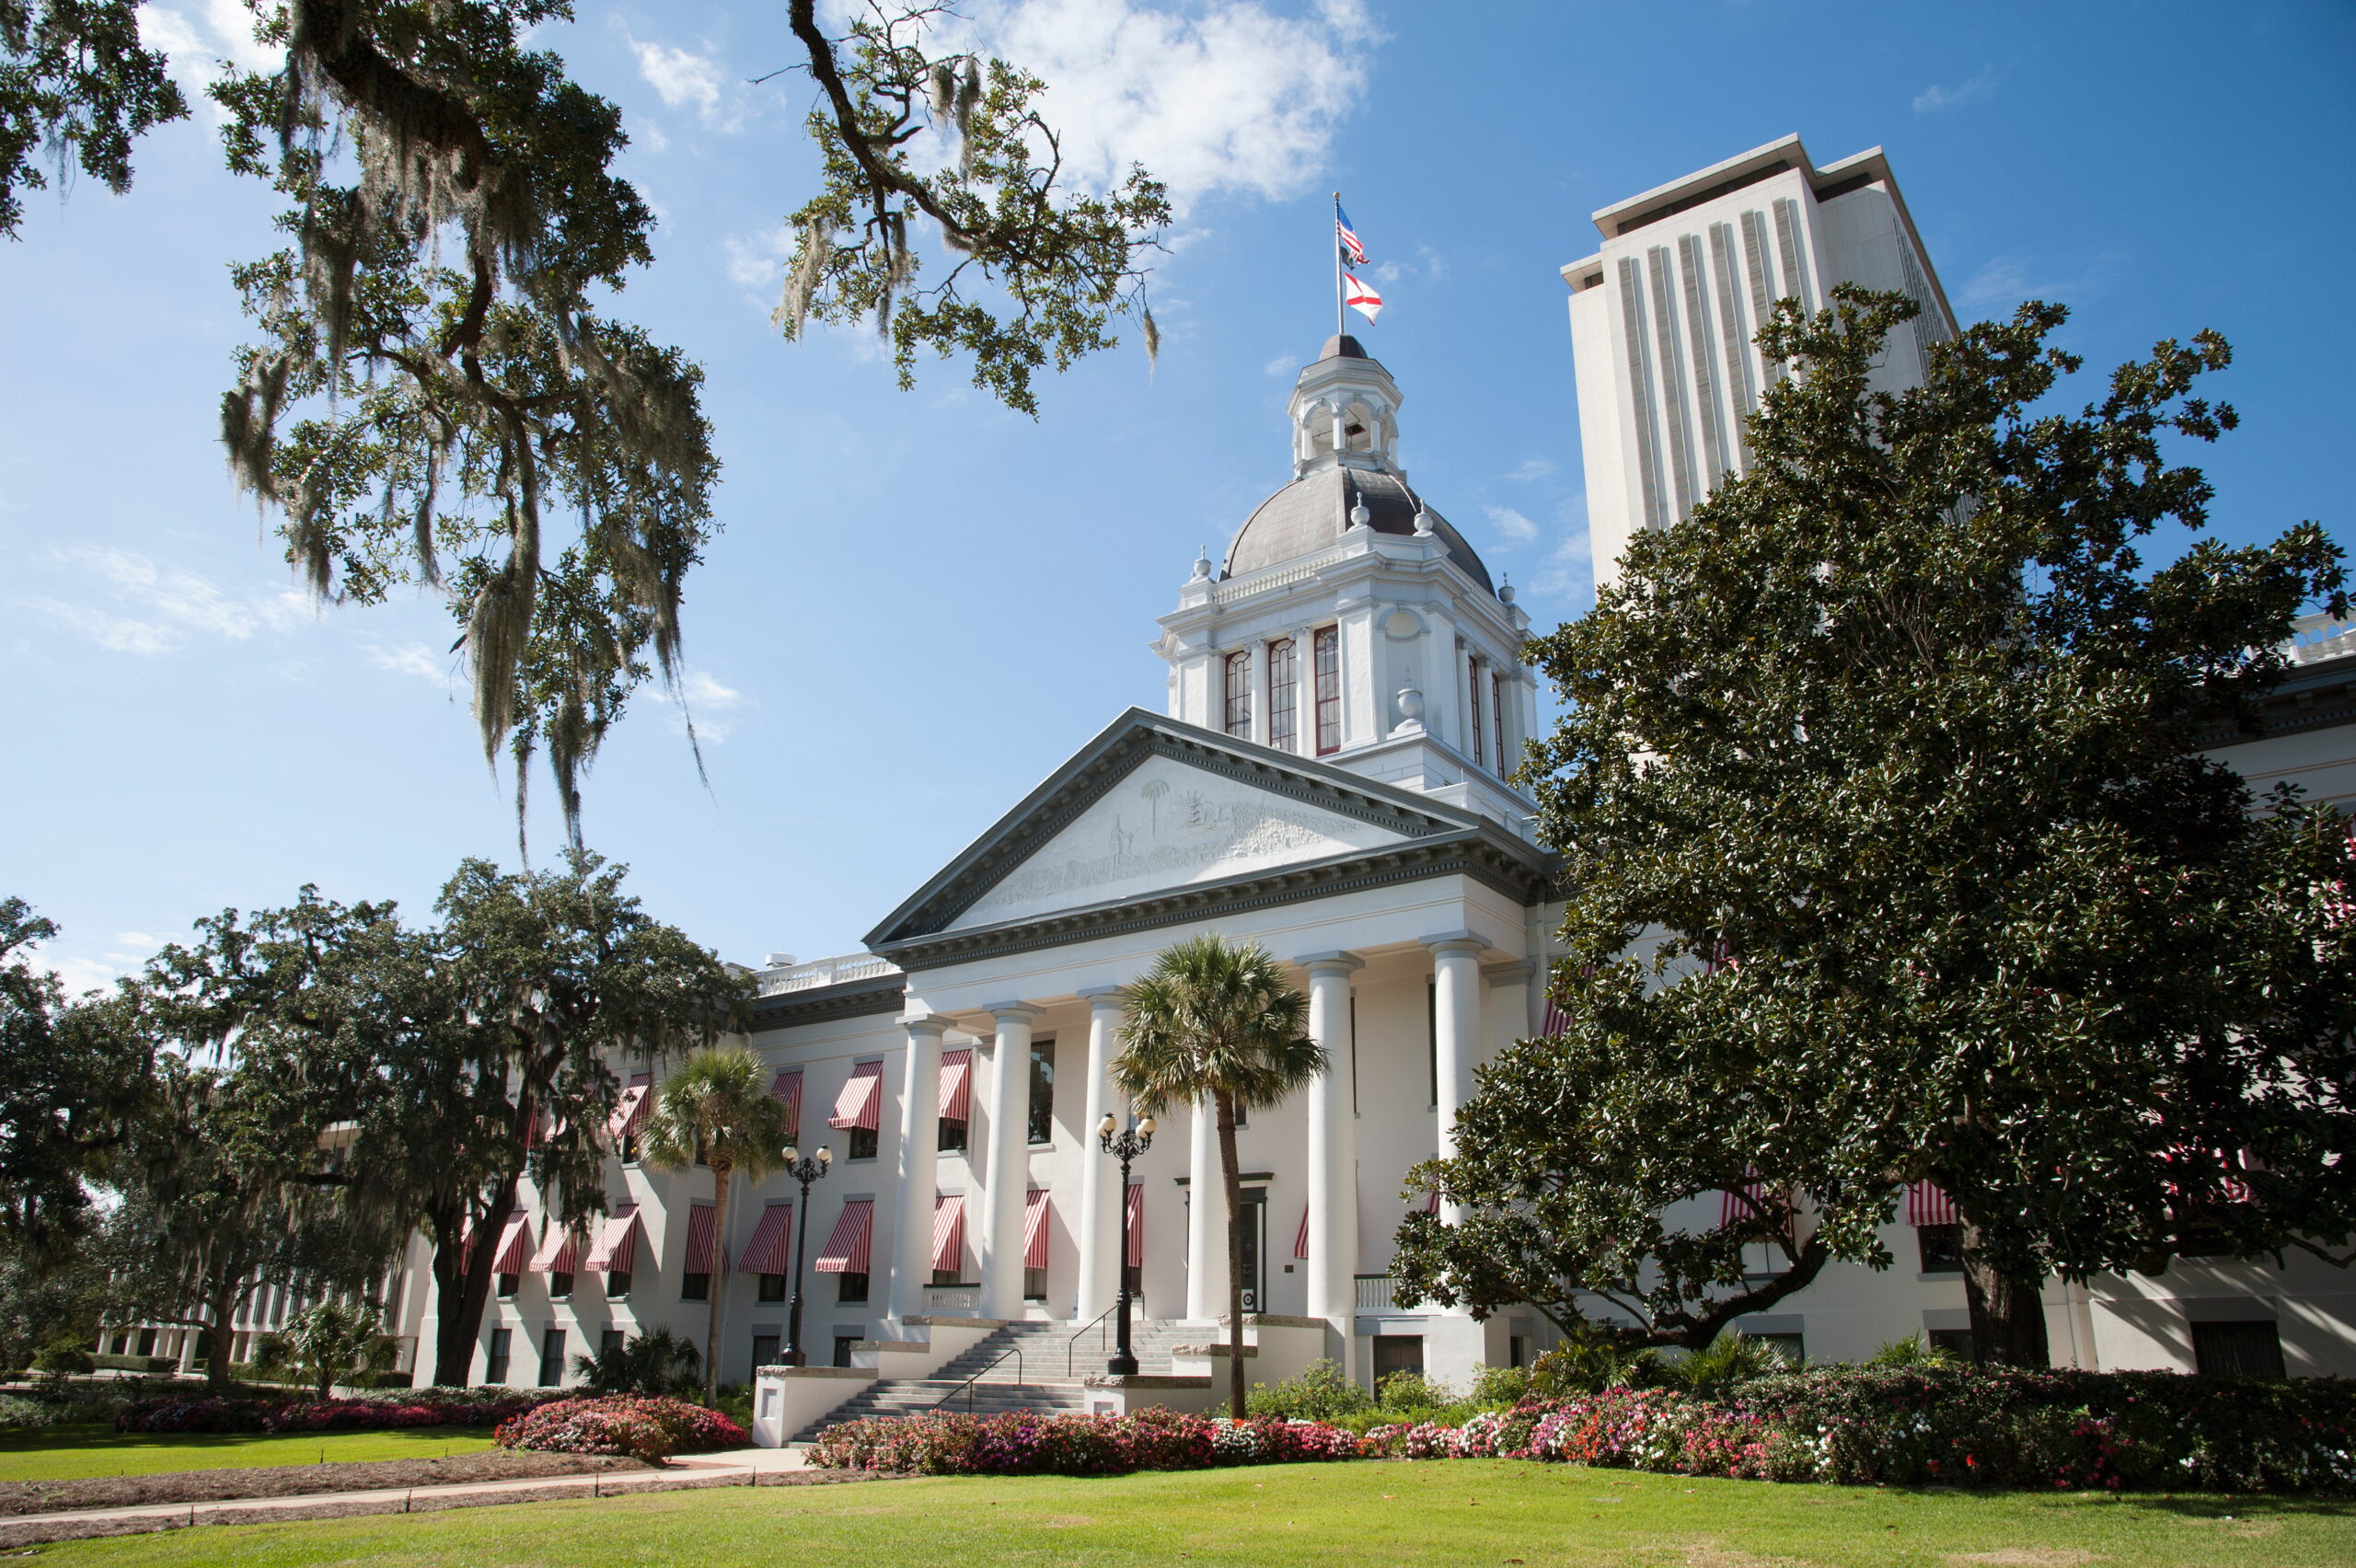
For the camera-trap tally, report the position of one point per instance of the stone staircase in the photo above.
(1048, 1376)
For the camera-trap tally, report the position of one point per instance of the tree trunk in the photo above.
(1231, 1172)
(721, 1171)
(455, 1332)
(2007, 1314)
(224, 1311)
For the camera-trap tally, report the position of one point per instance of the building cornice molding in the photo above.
(851, 999)
(2321, 695)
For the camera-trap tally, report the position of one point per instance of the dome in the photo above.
(1311, 513)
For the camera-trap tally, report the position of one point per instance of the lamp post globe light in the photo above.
(804, 1168)
(1123, 1145)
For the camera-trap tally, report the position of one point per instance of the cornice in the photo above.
(1483, 853)
(851, 999)
(2313, 696)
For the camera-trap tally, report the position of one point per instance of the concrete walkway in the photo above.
(740, 1467)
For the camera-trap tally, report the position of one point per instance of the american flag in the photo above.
(1352, 251)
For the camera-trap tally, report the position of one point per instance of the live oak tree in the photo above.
(441, 392)
(1213, 1024)
(1891, 856)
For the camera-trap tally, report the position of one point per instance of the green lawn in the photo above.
(1431, 1515)
(68, 1453)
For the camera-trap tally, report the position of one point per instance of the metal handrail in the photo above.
(967, 1385)
(1071, 1345)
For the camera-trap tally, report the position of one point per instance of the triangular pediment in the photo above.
(1153, 806)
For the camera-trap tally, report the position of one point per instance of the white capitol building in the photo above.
(1327, 777)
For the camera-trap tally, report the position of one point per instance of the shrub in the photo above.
(1025, 1443)
(15, 1412)
(653, 1363)
(1321, 1392)
(257, 1410)
(64, 1360)
(146, 1366)
(648, 1427)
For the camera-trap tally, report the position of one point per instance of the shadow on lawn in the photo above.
(2230, 1506)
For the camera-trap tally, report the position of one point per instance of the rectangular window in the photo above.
(862, 1143)
(772, 1289)
(851, 1287)
(551, 1358)
(1952, 1342)
(618, 1285)
(765, 1349)
(495, 1365)
(946, 1276)
(508, 1284)
(1043, 1091)
(1478, 724)
(953, 1135)
(630, 1149)
(695, 1288)
(559, 1286)
(1239, 695)
(609, 1341)
(2248, 1349)
(1284, 699)
(1325, 654)
(1394, 1353)
(1792, 1348)
(844, 1345)
(1940, 1248)
(1034, 1285)
(1431, 1036)
(1497, 713)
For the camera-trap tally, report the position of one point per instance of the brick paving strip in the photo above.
(749, 1467)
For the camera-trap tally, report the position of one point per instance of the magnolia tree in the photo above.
(1891, 856)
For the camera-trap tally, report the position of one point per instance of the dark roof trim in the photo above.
(1687, 203)
(1101, 765)
(1485, 853)
(2321, 695)
(851, 999)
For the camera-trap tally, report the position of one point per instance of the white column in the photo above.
(917, 1167)
(1100, 1207)
(1258, 648)
(1206, 1219)
(1332, 1148)
(1456, 1029)
(1009, 1161)
(1304, 690)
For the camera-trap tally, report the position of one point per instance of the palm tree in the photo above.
(1215, 1020)
(717, 1108)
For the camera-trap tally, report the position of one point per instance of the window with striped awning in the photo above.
(770, 1251)
(957, 1084)
(1733, 1210)
(1036, 1208)
(699, 1239)
(948, 1232)
(1928, 1203)
(515, 1243)
(616, 1248)
(860, 1104)
(788, 1088)
(629, 1112)
(559, 1251)
(1300, 1242)
(1135, 1205)
(846, 1251)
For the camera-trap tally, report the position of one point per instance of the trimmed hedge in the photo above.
(260, 1411)
(650, 1427)
(1025, 1443)
(145, 1366)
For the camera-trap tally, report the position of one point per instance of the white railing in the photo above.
(824, 972)
(1283, 575)
(2317, 638)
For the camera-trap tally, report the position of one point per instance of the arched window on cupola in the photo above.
(1358, 428)
(1317, 431)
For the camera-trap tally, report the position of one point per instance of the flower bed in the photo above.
(270, 1413)
(1025, 1443)
(642, 1426)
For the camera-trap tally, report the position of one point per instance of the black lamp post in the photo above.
(1124, 1146)
(804, 1169)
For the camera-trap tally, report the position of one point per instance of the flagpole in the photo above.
(1341, 324)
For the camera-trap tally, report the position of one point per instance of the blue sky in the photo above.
(922, 602)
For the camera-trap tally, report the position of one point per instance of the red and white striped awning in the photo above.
(770, 1251)
(1431, 1201)
(949, 1232)
(1035, 1228)
(616, 1248)
(630, 1110)
(788, 1088)
(514, 1245)
(957, 1084)
(860, 1104)
(1928, 1203)
(559, 1251)
(1134, 1201)
(846, 1251)
(1300, 1242)
(1732, 1210)
(1557, 1020)
(700, 1219)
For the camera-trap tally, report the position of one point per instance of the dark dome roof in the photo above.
(1311, 513)
(1343, 346)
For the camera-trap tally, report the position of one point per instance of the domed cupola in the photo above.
(1344, 413)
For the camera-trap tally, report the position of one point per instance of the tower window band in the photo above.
(1284, 701)
(1239, 695)
(1480, 745)
(1325, 650)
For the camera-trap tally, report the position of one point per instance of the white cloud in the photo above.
(201, 40)
(702, 698)
(686, 79)
(139, 939)
(756, 262)
(1283, 365)
(139, 606)
(411, 659)
(703, 691)
(1225, 97)
(1932, 99)
(2004, 281)
(1520, 530)
(1569, 569)
(1533, 468)
(80, 975)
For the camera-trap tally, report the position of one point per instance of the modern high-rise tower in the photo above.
(1663, 318)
